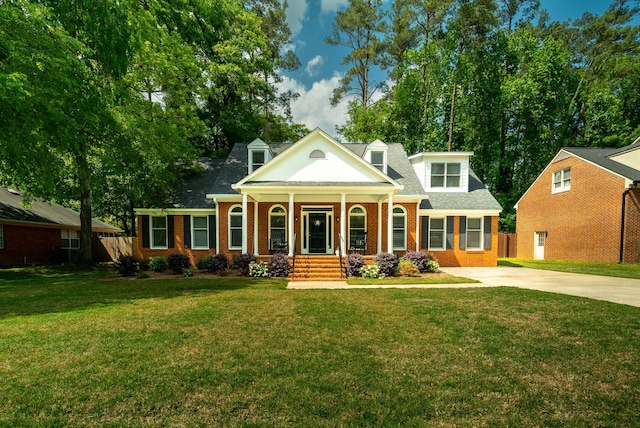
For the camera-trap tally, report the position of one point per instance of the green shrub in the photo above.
(158, 264)
(177, 262)
(407, 268)
(127, 265)
(258, 269)
(205, 262)
(372, 271)
(188, 271)
(278, 266)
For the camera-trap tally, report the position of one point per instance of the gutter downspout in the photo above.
(624, 203)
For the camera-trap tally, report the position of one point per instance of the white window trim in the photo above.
(229, 215)
(444, 234)
(252, 166)
(380, 166)
(364, 214)
(65, 234)
(193, 232)
(565, 184)
(446, 175)
(481, 231)
(404, 227)
(166, 233)
(1, 236)
(285, 220)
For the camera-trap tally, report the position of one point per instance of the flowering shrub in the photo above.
(388, 263)
(258, 269)
(407, 268)
(354, 263)
(158, 264)
(279, 266)
(371, 271)
(242, 262)
(434, 266)
(219, 263)
(177, 262)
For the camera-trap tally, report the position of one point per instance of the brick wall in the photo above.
(582, 223)
(36, 244)
(632, 228)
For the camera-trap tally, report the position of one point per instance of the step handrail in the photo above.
(340, 255)
(293, 268)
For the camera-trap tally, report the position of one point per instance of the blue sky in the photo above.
(311, 21)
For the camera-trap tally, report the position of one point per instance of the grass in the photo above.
(624, 270)
(78, 350)
(426, 279)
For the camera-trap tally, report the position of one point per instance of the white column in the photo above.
(245, 221)
(390, 225)
(379, 249)
(291, 218)
(217, 226)
(343, 222)
(256, 249)
(418, 237)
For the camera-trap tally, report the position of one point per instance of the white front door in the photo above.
(538, 245)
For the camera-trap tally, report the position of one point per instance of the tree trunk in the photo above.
(84, 179)
(452, 114)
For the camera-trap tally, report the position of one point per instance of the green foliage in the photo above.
(158, 264)
(258, 269)
(177, 262)
(408, 268)
(187, 272)
(127, 265)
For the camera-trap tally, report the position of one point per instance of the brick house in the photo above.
(584, 206)
(43, 232)
(318, 197)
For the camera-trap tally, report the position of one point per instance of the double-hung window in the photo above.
(437, 233)
(377, 160)
(474, 233)
(445, 174)
(399, 229)
(200, 232)
(159, 232)
(1, 236)
(561, 180)
(70, 239)
(258, 158)
(235, 228)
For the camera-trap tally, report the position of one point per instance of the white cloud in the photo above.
(332, 6)
(313, 108)
(296, 11)
(313, 64)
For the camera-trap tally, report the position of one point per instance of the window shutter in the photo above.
(450, 221)
(463, 232)
(487, 233)
(146, 242)
(170, 237)
(187, 231)
(212, 231)
(424, 239)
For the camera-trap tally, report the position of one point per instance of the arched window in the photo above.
(399, 228)
(235, 227)
(317, 154)
(357, 228)
(278, 229)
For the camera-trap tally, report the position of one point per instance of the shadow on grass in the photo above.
(34, 291)
(507, 263)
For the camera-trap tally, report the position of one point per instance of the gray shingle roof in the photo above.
(193, 192)
(43, 212)
(602, 157)
(478, 198)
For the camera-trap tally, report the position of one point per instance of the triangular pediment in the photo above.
(317, 158)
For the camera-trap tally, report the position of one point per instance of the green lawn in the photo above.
(76, 350)
(624, 270)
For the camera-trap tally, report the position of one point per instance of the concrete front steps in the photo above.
(317, 268)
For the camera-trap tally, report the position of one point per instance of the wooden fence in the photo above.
(507, 245)
(107, 249)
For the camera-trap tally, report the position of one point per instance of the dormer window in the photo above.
(257, 159)
(445, 174)
(259, 154)
(377, 160)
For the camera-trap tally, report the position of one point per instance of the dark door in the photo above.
(317, 233)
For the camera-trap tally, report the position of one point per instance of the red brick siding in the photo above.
(632, 228)
(583, 223)
(37, 244)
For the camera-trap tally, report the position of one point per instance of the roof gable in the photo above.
(317, 157)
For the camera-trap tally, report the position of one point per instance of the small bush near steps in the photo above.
(354, 263)
(278, 266)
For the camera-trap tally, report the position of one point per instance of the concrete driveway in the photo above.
(617, 290)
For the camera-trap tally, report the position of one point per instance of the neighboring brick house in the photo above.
(584, 206)
(43, 232)
(325, 196)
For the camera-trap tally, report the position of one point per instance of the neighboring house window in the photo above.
(474, 233)
(257, 159)
(399, 229)
(377, 160)
(357, 222)
(445, 175)
(159, 232)
(70, 239)
(235, 228)
(437, 228)
(561, 180)
(1, 236)
(277, 227)
(200, 232)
